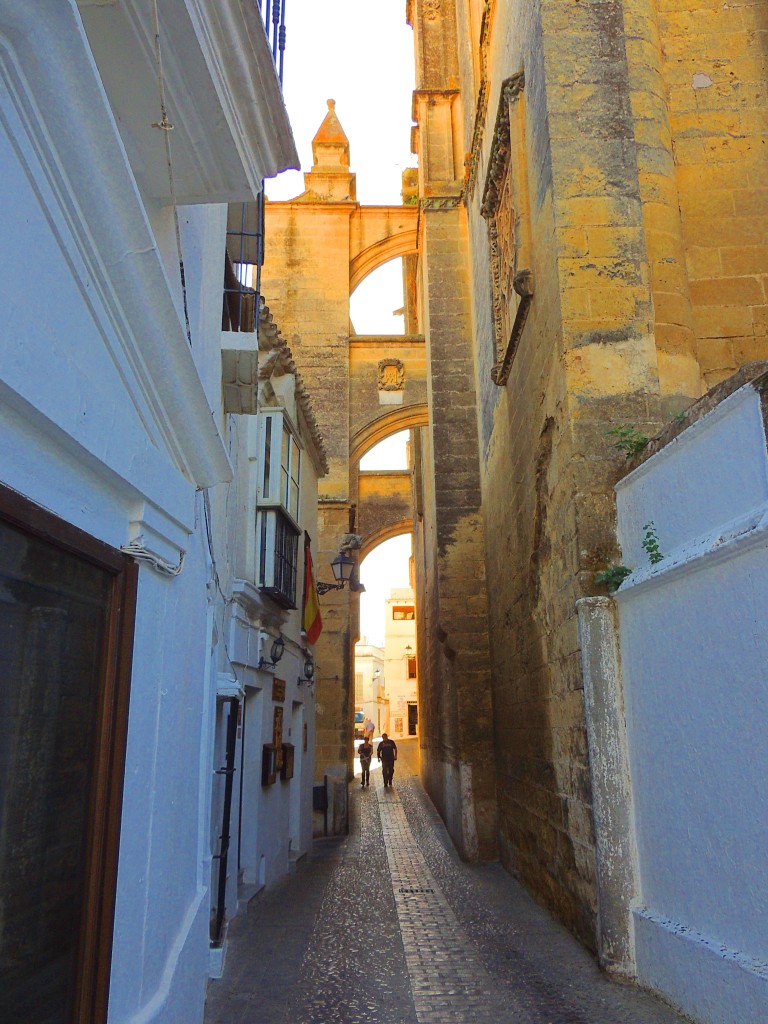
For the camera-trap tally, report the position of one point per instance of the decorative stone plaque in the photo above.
(391, 375)
(278, 690)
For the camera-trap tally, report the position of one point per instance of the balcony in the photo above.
(273, 13)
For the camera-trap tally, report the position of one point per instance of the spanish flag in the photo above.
(312, 622)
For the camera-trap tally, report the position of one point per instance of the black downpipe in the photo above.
(240, 798)
(223, 855)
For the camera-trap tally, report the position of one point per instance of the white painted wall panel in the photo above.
(694, 653)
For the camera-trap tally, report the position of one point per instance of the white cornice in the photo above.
(59, 117)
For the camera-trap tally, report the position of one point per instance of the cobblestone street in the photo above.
(388, 926)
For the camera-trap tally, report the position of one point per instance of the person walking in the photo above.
(365, 753)
(387, 754)
(368, 729)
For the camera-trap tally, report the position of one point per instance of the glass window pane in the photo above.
(263, 524)
(286, 449)
(267, 457)
(53, 623)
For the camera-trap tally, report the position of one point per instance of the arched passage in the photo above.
(399, 529)
(402, 418)
(404, 243)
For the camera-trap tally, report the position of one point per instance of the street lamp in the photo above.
(275, 652)
(309, 671)
(344, 571)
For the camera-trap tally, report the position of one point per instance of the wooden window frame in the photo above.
(94, 952)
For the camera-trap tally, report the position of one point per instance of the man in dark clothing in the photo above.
(365, 753)
(387, 754)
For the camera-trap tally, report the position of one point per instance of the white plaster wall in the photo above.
(711, 475)
(694, 643)
(109, 419)
(80, 438)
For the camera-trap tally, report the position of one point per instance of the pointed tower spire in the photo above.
(330, 177)
(330, 147)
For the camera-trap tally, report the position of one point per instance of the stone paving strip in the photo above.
(448, 980)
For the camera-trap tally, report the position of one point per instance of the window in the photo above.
(411, 668)
(277, 517)
(278, 555)
(279, 482)
(358, 689)
(403, 612)
(289, 474)
(66, 635)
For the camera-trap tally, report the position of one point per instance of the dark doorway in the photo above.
(413, 718)
(66, 631)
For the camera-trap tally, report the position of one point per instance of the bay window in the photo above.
(277, 515)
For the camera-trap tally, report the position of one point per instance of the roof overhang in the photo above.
(222, 95)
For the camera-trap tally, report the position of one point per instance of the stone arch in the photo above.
(400, 418)
(387, 532)
(404, 243)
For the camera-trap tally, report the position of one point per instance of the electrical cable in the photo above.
(166, 127)
(137, 550)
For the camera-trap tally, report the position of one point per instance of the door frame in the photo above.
(102, 839)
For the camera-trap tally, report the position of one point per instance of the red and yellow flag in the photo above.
(312, 622)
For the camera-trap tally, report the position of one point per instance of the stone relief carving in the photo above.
(431, 9)
(391, 375)
(512, 284)
(472, 161)
(440, 202)
(499, 161)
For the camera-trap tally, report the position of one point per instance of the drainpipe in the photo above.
(223, 855)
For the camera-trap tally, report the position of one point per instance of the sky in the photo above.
(387, 565)
(359, 53)
(384, 568)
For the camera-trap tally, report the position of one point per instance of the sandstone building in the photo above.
(592, 187)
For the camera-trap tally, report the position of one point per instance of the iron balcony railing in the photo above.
(273, 12)
(245, 225)
(243, 261)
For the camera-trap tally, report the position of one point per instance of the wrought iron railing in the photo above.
(242, 265)
(273, 12)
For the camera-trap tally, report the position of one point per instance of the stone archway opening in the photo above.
(386, 658)
(377, 305)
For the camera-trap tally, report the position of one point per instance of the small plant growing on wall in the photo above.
(612, 577)
(651, 543)
(628, 440)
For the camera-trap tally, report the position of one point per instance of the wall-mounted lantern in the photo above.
(309, 672)
(275, 653)
(344, 569)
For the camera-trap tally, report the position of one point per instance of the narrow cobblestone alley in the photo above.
(388, 926)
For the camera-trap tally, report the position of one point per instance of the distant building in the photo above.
(400, 663)
(370, 696)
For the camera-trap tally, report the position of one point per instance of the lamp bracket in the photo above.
(323, 588)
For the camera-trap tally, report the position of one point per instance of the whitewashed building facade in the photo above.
(132, 613)
(400, 663)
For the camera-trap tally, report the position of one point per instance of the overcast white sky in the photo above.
(359, 53)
